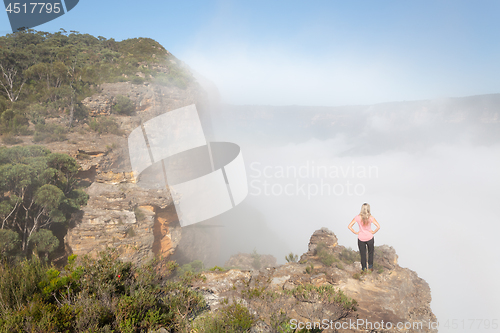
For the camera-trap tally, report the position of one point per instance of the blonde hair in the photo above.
(365, 213)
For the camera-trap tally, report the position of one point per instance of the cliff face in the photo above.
(139, 222)
(391, 294)
(125, 217)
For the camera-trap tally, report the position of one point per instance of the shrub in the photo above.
(14, 121)
(183, 304)
(324, 255)
(292, 257)
(377, 267)
(229, 318)
(324, 294)
(140, 311)
(217, 269)
(137, 80)
(257, 263)
(280, 322)
(19, 283)
(123, 106)
(349, 256)
(82, 156)
(80, 111)
(195, 266)
(139, 214)
(102, 294)
(49, 133)
(130, 232)
(105, 125)
(37, 114)
(10, 139)
(176, 78)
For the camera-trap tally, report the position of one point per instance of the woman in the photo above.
(365, 235)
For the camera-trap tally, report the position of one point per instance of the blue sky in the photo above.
(315, 52)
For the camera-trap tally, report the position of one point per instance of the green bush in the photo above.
(280, 322)
(349, 256)
(49, 133)
(17, 292)
(105, 125)
(123, 106)
(137, 80)
(80, 111)
(324, 255)
(195, 266)
(175, 78)
(217, 269)
(229, 318)
(37, 114)
(15, 122)
(99, 294)
(378, 267)
(324, 294)
(10, 139)
(292, 257)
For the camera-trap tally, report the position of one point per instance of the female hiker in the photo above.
(365, 235)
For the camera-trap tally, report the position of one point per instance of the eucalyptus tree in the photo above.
(37, 189)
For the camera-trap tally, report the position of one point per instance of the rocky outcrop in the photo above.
(391, 294)
(321, 236)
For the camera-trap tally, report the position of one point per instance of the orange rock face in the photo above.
(166, 228)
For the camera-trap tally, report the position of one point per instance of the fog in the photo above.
(429, 169)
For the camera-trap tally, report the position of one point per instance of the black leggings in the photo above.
(362, 251)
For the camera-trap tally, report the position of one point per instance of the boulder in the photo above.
(324, 236)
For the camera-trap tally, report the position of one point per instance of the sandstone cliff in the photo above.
(140, 223)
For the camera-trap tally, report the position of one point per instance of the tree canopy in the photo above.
(37, 189)
(43, 73)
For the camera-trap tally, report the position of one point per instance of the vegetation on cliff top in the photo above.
(95, 295)
(104, 294)
(45, 74)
